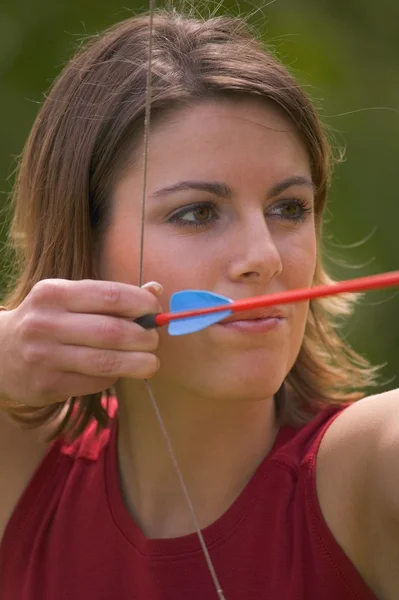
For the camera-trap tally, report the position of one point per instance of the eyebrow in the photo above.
(218, 189)
(224, 191)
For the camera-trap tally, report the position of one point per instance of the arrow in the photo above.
(194, 310)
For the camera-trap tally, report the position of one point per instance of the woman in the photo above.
(238, 169)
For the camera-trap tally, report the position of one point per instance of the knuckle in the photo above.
(33, 325)
(34, 354)
(107, 363)
(112, 330)
(47, 291)
(111, 294)
(29, 326)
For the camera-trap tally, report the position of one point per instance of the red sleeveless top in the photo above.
(71, 536)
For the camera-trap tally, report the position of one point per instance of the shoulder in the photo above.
(21, 452)
(362, 426)
(358, 486)
(366, 433)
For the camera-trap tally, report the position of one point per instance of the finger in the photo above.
(106, 363)
(98, 297)
(103, 331)
(153, 286)
(81, 385)
(59, 386)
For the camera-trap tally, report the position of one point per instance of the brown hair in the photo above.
(84, 135)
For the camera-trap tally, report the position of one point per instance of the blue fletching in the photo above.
(191, 299)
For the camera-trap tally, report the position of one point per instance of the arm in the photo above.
(20, 454)
(373, 426)
(385, 490)
(43, 346)
(358, 488)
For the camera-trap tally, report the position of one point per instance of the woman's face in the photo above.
(229, 209)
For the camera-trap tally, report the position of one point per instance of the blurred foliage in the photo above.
(346, 54)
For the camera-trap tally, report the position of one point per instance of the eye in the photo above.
(196, 215)
(294, 210)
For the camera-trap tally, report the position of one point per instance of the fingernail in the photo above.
(154, 286)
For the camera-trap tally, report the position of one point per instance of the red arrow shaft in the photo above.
(360, 284)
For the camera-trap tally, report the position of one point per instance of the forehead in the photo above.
(226, 126)
(245, 138)
(245, 111)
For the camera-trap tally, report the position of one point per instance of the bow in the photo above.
(169, 446)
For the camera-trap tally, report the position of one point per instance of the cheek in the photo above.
(180, 262)
(119, 255)
(299, 257)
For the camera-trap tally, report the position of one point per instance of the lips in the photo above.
(258, 313)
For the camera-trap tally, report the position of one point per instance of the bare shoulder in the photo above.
(365, 435)
(357, 482)
(21, 452)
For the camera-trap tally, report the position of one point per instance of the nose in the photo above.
(255, 253)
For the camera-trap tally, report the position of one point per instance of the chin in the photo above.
(234, 373)
(241, 384)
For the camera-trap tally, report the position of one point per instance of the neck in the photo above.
(218, 448)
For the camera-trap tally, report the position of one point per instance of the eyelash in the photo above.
(177, 219)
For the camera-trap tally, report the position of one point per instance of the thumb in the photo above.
(154, 287)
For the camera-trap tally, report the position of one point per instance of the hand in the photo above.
(73, 338)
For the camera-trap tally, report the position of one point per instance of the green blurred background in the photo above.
(346, 53)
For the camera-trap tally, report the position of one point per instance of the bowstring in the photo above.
(154, 403)
(147, 115)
